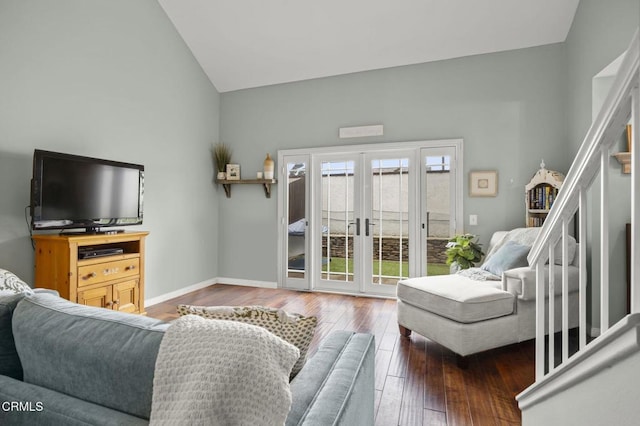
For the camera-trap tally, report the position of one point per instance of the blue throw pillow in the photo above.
(509, 256)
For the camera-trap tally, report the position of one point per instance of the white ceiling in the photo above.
(250, 43)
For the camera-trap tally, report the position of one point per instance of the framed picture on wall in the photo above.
(483, 183)
(233, 171)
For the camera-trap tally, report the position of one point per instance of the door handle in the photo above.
(367, 224)
(357, 224)
(427, 224)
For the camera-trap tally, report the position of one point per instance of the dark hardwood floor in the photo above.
(417, 381)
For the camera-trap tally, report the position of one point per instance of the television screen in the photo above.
(70, 191)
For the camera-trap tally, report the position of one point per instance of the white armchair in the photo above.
(470, 316)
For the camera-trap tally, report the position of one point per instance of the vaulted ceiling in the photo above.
(249, 43)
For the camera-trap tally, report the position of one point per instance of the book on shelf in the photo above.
(542, 197)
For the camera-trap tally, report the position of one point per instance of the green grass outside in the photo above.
(389, 268)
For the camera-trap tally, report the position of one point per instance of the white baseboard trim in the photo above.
(207, 283)
(179, 292)
(247, 283)
(255, 283)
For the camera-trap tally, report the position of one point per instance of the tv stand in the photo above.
(113, 281)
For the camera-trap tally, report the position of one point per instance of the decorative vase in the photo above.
(268, 167)
(221, 176)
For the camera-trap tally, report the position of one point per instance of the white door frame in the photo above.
(283, 211)
(455, 198)
(415, 234)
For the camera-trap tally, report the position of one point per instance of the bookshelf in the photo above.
(540, 193)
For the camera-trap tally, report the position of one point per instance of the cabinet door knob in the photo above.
(109, 303)
(89, 276)
(130, 267)
(116, 302)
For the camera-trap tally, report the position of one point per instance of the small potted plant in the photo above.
(222, 157)
(463, 251)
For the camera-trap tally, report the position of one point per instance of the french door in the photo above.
(440, 212)
(339, 225)
(356, 221)
(389, 219)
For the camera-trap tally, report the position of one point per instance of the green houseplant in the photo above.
(222, 157)
(463, 251)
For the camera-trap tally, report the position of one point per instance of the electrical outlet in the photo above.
(473, 219)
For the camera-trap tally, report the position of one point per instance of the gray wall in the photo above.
(601, 31)
(508, 107)
(110, 79)
(113, 79)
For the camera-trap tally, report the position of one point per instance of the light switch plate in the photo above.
(473, 219)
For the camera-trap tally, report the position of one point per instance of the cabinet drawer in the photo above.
(107, 271)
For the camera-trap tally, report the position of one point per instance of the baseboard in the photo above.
(207, 283)
(179, 292)
(252, 283)
(247, 283)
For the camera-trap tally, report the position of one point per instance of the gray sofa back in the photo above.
(9, 360)
(108, 358)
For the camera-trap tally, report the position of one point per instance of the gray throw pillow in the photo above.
(509, 256)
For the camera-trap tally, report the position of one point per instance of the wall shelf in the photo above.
(624, 158)
(266, 184)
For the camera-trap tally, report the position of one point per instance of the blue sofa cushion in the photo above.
(47, 407)
(9, 361)
(101, 356)
(336, 385)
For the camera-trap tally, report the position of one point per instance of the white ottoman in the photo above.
(462, 314)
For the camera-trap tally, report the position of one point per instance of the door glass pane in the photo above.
(338, 225)
(438, 212)
(297, 224)
(389, 220)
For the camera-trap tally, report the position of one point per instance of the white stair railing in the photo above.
(621, 105)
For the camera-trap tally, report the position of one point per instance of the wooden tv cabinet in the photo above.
(114, 281)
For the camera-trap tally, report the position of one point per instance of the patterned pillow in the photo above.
(292, 328)
(10, 282)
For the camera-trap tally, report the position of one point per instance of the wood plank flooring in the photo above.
(417, 381)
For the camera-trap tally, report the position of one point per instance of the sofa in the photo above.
(469, 315)
(66, 364)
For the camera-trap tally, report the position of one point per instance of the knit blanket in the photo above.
(478, 274)
(215, 372)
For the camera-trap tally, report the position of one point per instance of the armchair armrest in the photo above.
(522, 281)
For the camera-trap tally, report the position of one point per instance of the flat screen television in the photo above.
(71, 191)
